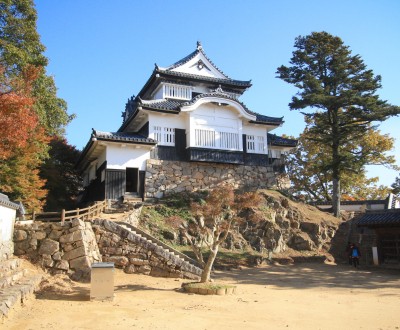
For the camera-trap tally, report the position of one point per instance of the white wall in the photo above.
(179, 121)
(7, 219)
(216, 118)
(166, 120)
(357, 207)
(119, 158)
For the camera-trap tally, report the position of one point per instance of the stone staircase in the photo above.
(172, 257)
(150, 238)
(16, 284)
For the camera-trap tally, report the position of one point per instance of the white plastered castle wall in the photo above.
(7, 218)
(119, 157)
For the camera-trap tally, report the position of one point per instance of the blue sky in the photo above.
(102, 52)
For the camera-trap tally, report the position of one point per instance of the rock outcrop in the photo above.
(282, 224)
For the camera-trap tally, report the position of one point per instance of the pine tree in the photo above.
(342, 91)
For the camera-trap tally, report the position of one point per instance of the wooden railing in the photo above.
(84, 214)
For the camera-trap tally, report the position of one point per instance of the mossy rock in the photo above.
(209, 288)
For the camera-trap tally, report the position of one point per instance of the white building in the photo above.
(188, 114)
(8, 211)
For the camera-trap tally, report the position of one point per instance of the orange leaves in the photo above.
(18, 120)
(23, 141)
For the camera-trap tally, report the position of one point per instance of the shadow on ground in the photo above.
(304, 276)
(77, 293)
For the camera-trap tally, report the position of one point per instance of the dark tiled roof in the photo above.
(175, 105)
(191, 76)
(120, 136)
(388, 218)
(4, 201)
(165, 104)
(276, 140)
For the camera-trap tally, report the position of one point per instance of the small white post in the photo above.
(375, 255)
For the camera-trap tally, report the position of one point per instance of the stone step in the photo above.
(18, 293)
(163, 248)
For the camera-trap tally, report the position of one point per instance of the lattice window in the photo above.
(251, 145)
(260, 144)
(157, 133)
(164, 135)
(169, 136)
(255, 144)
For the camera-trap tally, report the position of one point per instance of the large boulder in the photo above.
(301, 241)
(49, 247)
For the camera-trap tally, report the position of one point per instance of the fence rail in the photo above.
(85, 213)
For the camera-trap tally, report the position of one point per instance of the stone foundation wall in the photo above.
(70, 248)
(173, 176)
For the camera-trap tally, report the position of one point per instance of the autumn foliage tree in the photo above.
(29, 118)
(212, 221)
(311, 176)
(23, 139)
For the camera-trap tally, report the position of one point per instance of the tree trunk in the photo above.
(336, 197)
(206, 274)
(336, 139)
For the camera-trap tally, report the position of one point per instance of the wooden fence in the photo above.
(84, 214)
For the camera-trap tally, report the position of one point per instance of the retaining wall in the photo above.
(70, 248)
(174, 176)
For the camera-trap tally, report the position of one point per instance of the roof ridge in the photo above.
(199, 49)
(192, 75)
(152, 101)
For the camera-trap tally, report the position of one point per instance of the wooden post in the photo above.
(33, 216)
(77, 212)
(62, 217)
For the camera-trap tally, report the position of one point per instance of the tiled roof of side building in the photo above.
(4, 201)
(360, 202)
(387, 218)
(281, 141)
(121, 136)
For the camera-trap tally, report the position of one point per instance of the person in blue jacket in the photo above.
(355, 255)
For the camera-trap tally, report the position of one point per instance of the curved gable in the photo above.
(218, 100)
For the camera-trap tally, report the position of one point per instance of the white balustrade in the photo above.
(177, 92)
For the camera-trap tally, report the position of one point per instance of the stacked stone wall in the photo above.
(164, 177)
(70, 248)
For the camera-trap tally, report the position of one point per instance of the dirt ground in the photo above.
(304, 296)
